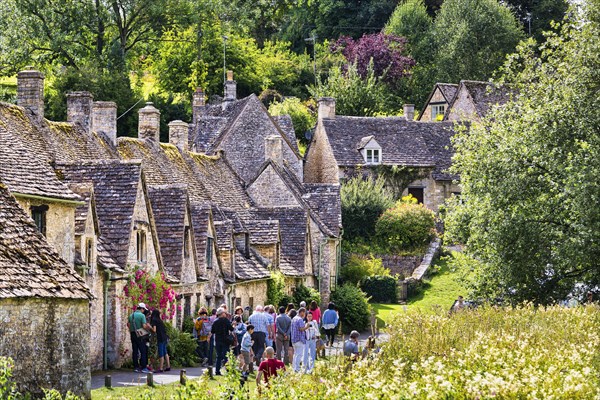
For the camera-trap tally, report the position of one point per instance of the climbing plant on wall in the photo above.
(151, 289)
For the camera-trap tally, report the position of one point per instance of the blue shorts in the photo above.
(162, 349)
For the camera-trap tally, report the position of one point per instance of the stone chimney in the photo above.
(178, 134)
(149, 123)
(274, 149)
(230, 88)
(198, 104)
(104, 119)
(326, 107)
(409, 112)
(30, 91)
(79, 109)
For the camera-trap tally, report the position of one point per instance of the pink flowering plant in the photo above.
(151, 289)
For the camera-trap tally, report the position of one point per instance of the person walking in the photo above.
(310, 350)
(201, 332)
(159, 328)
(283, 331)
(246, 350)
(211, 337)
(240, 330)
(221, 329)
(330, 322)
(316, 312)
(262, 329)
(139, 350)
(298, 338)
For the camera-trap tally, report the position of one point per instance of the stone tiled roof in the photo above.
(294, 236)
(254, 267)
(169, 207)
(104, 257)
(29, 266)
(326, 201)
(200, 221)
(287, 126)
(23, 171)
(263, 232)
(85, 191)
(485, 95)
(401, 141)
(448, 90)
(115, 191)
(215, 123)
(439, 142)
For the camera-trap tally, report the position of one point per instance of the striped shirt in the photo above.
(261, 321)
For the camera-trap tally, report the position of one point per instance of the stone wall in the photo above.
(320, 165)
(437, 97)
(257, 290)
(435, 192)
(269, 190)
(402, 265)
(141, 221)
(463, 107)
(49, 341)
(60, 225)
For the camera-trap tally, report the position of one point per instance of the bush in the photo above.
(275, 288)
(302, 117)
(381, 289)
(354, 307)
(360, 267)
(303, 293)
(181, 347)
(405, 226)
(363, 201)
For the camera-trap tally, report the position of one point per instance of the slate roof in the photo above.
(115, 191)
(215, 123)
(485, 95)
(254, 267)
(401, 141)
(169, 206)
(287, 126)
(294, 237)
(200, 222)
(23, 171)
(263, 232)
(325, 200)
(448, 90)
(29, 266)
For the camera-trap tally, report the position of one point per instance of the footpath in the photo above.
(124, 378)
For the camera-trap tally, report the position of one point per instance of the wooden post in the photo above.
(182, 377)
(210, 372)
(108, 381)
(150, 379)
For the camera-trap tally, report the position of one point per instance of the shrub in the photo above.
(360, 267)
(181, 347)
(363, 201)
(354, 307)
(303, 293)
(275, 288)
(188, 324)
(302, 117)
(381, 289)
(405, 226)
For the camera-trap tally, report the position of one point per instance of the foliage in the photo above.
(381, 289)
(275, 288)
(188, 324)
(398, 177)
(303, 293)
(8, 389)
(363, 201)
(303, 117)
(472, 38)
(353, 94)
(354, 307)
(529, 174)
(541, 12)
(382, 52)
(406, 225)
(152, 290)
(360, 267)
(411, 21)
(181, 347)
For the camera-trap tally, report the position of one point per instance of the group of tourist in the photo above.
(141, 324)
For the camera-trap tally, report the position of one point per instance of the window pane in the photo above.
(376, 156)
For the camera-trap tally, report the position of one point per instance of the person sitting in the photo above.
(351, 346)
(269, 367)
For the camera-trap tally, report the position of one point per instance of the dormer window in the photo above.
(437, 112)
(373, 156)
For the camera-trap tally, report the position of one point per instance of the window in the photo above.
(38, 213)
(186, 242)
(141, 246)
(417, 193)
(437, 111)
(209, 252)
(373, 156)
(88, 252)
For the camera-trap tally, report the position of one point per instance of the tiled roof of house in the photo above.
(254, 267)
(287, 126)
(215, 123)
(105, 259)
(486, 95)
(29, 266)
(115, 191)
(325, 200)
(448, 90)
(200, 222)
(263, 232)
(85, 192)
(169, 207)
(401, 141)
(439, 142)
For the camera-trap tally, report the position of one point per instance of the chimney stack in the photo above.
(274, 149)
(30, 91)
(178, 134)
(230, 89)
(149, 123)
(409, 112)
(198, 103)
(104, 119)
(326, 107)
(79, 109)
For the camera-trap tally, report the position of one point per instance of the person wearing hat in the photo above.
(139, 350)
(221, 329)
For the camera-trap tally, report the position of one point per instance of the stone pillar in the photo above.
(30, 91)
(104, 119)
(326, 108)
(178, 134)
(409, 112)
(274, 149)
(230, 90)
(198, 104)
(79, 109)
(149, 123)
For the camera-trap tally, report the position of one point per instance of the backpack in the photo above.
(204, 329)
(198, 324)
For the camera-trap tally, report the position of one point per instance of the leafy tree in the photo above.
(411, 21)
(529, 171)
(540, 12)
(363, 201)
(302, 116)
(472, 38)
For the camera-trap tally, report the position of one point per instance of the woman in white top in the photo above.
(310, 350)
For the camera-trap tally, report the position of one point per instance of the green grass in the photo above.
(439, 291)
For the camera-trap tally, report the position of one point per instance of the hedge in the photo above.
(381, 289)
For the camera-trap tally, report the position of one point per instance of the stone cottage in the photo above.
(44, 308)
(473, 99)
(438, 103)
(343, 147)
